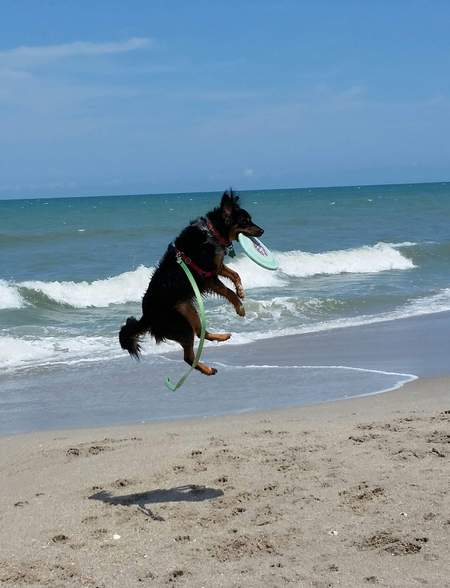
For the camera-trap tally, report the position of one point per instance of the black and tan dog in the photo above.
(167, 306)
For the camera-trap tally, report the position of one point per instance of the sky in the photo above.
(113, 97)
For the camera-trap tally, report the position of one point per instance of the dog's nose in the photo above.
(260, 231)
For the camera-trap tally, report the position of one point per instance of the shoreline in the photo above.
(413, 389)
(351, 492)
(399, 380)
(249, 411)
(368, 359)
(414, 344)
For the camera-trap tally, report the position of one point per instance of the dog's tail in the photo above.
(129, 336)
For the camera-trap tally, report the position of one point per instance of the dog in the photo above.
(168, 311)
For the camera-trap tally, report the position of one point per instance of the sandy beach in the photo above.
(347, 493)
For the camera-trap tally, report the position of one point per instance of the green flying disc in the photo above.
(258, 252)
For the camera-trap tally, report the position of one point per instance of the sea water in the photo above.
(73, 269)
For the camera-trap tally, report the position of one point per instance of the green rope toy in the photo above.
(201, 308)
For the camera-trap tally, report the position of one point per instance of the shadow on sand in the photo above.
(188, 493)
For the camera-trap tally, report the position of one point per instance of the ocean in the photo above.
(73, 269)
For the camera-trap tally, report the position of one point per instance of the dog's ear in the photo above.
(229, 202)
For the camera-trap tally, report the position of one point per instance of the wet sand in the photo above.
(299, 371)
(348, 493)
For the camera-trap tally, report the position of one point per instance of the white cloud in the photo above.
(35, 54)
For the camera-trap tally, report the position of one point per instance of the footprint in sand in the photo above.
(176, 575)
(360, 496)
(21, 503)
(99, 533)
(61, 538)
(372, 580)
(40, 574)
(182, 538)
(200, 466)
(96, 447)
(439, 437)
(121, 483)
(87, 451)
(240, 547)
(407, 454)
(392, 544)
(363, 438)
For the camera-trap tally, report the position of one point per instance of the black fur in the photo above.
(169, 286)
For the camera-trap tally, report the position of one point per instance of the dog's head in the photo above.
(237, 220)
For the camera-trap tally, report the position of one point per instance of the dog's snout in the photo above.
(254, 231)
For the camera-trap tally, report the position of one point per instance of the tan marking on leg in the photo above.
(215, 285)
(188, 310)
(227, 272)
(189, 357)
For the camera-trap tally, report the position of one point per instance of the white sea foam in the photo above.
(126, 287)
(130, 286)
(10, 296)
(273, 311)
(15, 351)
(439, 302)
(20, 353)
(23, 353)
(405, 244)
(254, 276)
(367, 259)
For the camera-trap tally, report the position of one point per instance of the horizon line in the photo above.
(221, 190)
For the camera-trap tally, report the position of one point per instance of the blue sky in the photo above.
(113, 97)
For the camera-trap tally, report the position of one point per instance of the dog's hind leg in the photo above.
(177, 328)
(189, 356)
(187, 309)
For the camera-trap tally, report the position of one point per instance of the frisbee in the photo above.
(258, 252)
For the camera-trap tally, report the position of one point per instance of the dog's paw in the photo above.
(206, 370)
(218, 336)
(240, 310)
(240, 292)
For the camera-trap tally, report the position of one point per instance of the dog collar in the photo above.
(227, 245)
(217, 236)
(189, 262)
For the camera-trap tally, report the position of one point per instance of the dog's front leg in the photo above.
(227, 272)
(215, 285)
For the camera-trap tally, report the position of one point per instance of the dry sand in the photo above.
(351, 493)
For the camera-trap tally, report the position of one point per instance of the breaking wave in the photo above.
(130, 286)
(10, 296)
(126, 287)
(362, 260)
